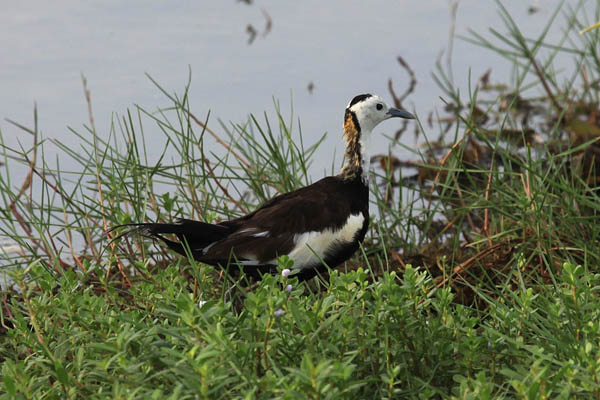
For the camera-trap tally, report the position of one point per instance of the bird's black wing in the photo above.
(271, 230)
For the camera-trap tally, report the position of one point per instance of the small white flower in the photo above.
(288, 288)
(286, 272)
(278, 313)
(427, 323)
(202, 303)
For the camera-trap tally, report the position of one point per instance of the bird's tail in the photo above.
(194, 235)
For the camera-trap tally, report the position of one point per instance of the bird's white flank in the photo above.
(310, 247)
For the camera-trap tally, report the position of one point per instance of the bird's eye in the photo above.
(379, 106)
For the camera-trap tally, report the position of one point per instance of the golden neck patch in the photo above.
(351, 127)
(353, 165)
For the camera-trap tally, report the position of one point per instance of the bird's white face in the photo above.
(370, 113)
(372, 110)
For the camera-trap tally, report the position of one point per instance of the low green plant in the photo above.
(388, 338)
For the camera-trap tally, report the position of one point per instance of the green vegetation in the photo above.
(479, 278)
(389, 338)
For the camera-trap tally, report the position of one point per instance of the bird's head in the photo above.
(366, 111)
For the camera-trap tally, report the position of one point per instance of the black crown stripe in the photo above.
(359, 98)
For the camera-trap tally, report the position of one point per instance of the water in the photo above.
(343, 47)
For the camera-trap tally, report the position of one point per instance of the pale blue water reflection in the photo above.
(343, 47)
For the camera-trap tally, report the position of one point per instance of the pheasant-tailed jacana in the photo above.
(322, 223)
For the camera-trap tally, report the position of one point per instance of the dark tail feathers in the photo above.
(196, 234)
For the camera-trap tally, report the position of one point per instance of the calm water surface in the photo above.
(343, 47)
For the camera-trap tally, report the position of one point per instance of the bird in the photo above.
(317, 226)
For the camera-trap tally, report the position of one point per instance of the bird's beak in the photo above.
(396, 112)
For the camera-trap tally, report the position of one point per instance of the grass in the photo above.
(479, 278)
